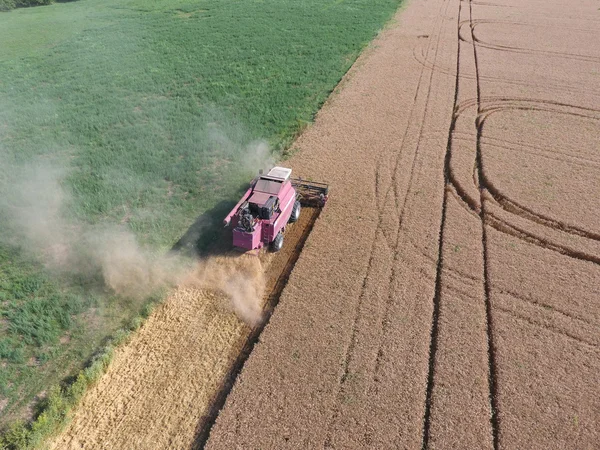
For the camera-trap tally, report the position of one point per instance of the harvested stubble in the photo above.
(174, 363)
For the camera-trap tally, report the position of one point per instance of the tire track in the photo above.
(433, 344)
(551, 328)
(492, 373)
(386, 321)
(558, 87)
(392, 190)
(539, 151)
(450, 183)
(493, 105)
(526, 51)
(486, 188)
(542, 305)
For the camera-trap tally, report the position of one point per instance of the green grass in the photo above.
(151, 107)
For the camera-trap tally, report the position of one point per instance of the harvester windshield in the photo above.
(268, 186)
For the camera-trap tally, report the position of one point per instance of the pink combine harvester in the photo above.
(272, 201)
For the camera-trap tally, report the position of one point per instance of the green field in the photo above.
(146, 113)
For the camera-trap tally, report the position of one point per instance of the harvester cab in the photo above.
(270, 203)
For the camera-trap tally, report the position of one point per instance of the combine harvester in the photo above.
(272, 201)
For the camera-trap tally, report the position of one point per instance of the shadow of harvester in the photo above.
(207, 235)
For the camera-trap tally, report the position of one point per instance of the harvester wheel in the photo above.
(277, 242)
(295, 212)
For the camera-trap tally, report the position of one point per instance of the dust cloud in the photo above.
(241, 279)
(33, 209)
(258, 157)
(33, 217)
(249, 157)
(30, 206)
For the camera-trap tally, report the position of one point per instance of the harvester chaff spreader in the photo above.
(272, 201)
